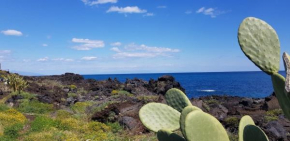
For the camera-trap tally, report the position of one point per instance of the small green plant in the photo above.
(80, 107)
(115, 126)
(233, 121)
(3, 107)
(272, 115)
(34, 106)
(148, 98)
(74, 95)
(41, 123)
(62, 114)
(12, 132)
(73, 87)
(212, 102)
(16, 82)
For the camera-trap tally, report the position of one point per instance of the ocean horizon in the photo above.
(254, 84)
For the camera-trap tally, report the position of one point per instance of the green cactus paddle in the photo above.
(200, 126)
(177, 99)
(183, 115)
(245, 120)
(165, 135)
(254, 133)
(156, 116)
(283, 98)
(260, 43)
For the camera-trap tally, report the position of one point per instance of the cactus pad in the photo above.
(165, 135)
(260, 43)
(286, 59)
(254, 133)
(177, 99)
(156, 116)
(283, 98)
(246, 120)
(200, 126)
(183, 115)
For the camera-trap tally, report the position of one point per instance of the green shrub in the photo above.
(102, 106)
(272, 115)
(12, 131)
(34, 106)
(233, 137)
(233, 121)
(10, 117)
(212, 102)
(80, 107)
(41, 123)
(115, 127)
(270, 118)
(74, 95)
(62, 114)
(125, 93)
(69, 123)
(27, 95)
(148, 98)
(275, 112)
(114, 92)
(72, 87)
(3, 107)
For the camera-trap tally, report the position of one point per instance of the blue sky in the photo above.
(131, 36)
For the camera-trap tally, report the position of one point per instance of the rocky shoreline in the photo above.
(122, 101)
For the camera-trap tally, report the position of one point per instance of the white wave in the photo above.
(206, 90)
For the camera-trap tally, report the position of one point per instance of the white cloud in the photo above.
(42, 59)
(116, 44)
(115, 49)
(96, 2)
(12, 32)
(200, 10)
(148, 14)
(89, 58)
(212, 12)
(87, 44)
(162, 6)
(4, 54)
(44, 45)
(63, 59)
(188, 12)
(26, 60)
(142, 51)
(133, 47)
(134, 55)
(5, 51)
(128, 9)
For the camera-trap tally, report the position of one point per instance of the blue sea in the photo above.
(244, 84)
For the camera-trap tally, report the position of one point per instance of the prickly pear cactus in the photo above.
(254, 133)
(283, 98)
(246, 120)
(165, 135)
(260, 43)
(183, 115)
(200, 126)
(156, 116)
(286, 59)
(177, 99)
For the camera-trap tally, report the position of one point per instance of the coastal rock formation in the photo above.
(115, 101)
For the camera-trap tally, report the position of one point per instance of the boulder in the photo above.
(129, 122)
(276, 130)
(247, 102)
